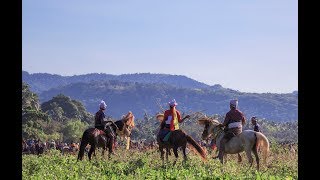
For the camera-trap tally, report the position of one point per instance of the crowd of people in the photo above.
(36, 146)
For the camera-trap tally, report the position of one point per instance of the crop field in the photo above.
(146, 164)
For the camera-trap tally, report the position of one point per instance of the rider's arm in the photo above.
(179, 117)
(103, 118)
(186, 117)
(243, 119)
(226, 120)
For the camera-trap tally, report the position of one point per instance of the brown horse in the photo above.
(179, 138)
(97, 138)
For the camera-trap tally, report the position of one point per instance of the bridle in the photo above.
(127, 127)
(216, 132)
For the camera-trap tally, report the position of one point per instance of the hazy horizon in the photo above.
(242, 45)
(146, 73)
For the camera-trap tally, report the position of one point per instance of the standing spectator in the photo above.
(256, 126)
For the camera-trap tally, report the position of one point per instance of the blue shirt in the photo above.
(257, 128)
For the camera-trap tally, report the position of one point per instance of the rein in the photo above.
(217, 132)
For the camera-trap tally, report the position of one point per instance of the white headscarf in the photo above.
(234, 103)
(173, 102)
(103, 105)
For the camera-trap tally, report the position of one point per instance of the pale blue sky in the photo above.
(246, 45)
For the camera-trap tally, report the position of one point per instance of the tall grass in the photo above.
(132, 164)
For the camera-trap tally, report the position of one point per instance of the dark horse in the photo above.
(98, 138)
(179, 138)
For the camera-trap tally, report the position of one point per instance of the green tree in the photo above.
(61, 108)
(73, 130)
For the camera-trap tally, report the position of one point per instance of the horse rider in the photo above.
(256, 126)
(99, 123)
(233, 122)
(171, 120)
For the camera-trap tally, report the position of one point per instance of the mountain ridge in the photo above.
(140, 92)
(181, 81)
(140, 98)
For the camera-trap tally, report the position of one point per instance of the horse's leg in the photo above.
(110, 147)
(184, 154)
(161, 154)
(239, 158)
(255, 152)
(92, 149)
(175, 151)
(167, 154)
(102, 153)
(248, 153)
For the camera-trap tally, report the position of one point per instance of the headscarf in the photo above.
(102, 105)
(234, 103)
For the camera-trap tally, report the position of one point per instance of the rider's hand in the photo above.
(187, 116)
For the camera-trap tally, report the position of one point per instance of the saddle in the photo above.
(164, 135)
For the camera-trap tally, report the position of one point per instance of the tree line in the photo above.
(65, 119)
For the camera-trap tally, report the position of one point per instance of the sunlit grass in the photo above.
(133, 164)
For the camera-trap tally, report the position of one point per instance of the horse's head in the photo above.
(209, 126)
(128, 121)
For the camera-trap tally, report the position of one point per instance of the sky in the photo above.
(250, 46)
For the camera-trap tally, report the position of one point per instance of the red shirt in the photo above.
(168, 113)
(234, 115)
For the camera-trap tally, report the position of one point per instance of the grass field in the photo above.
(132, 164)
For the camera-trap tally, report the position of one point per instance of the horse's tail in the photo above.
(83, 144)
(262, 142)
(198, 148)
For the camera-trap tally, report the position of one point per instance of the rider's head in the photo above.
(102, 105)
(234, 104)
(254, 120)
(173, 103)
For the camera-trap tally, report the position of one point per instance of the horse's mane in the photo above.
(129, 119)
(206, 120)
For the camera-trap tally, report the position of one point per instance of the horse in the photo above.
(98, 138)
(179, 138)
(247, 141)
(125, 126)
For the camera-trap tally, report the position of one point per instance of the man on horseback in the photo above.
(233, 125)
(171, 121)
(99, 123)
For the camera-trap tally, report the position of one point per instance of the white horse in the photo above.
(248, 141)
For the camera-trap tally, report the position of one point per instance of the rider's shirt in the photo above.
(168, 120)
(256, 128)
(99, 118)
(234, 119)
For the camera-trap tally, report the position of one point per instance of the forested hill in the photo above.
(43, 81)
(143, 97)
